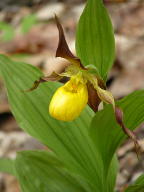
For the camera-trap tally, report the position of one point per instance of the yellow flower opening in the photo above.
(69, 100)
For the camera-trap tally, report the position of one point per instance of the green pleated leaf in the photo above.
(104, 126)
(138, 186)
(112, 175)
(41, 171)
(70, 141)
(7, 166)
(95, 43)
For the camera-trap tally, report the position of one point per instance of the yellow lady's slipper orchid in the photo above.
(69, 100)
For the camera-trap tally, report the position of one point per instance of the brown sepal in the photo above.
(101, 83)
(93, 99)
(128, 132)
(63, 49)
(53, 77)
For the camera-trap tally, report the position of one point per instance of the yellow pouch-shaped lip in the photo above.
(68, 101)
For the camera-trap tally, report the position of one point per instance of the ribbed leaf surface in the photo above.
(95, 43)
(70, 141)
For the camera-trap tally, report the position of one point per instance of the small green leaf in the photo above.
(138, 186)
(7, 166)
(92, 69)
(140, 180)
(8, 31)
(28, 22)
(95, 43)
(41, 171)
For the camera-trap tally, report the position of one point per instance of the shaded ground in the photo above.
(38, 48)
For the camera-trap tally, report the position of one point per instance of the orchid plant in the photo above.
(82, 139)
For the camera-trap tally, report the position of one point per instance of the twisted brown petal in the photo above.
(128, 132)
(52, 77)
(63, 49)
